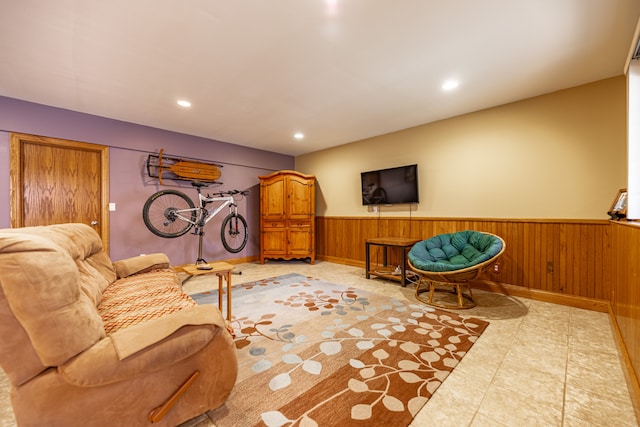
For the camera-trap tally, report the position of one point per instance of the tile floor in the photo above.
(537, 364)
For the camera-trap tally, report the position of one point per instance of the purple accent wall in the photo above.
(130, 186)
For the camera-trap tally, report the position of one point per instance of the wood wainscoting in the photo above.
(569, 257)
(625, 249)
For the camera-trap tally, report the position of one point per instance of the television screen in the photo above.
(390, 186)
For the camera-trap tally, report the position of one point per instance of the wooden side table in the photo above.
(220, 269)
(386, 243)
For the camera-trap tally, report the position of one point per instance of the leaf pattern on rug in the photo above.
(313, 353)
(375, 371)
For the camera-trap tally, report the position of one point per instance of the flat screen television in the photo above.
(390, 186)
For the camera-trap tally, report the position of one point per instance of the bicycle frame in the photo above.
(203, 215)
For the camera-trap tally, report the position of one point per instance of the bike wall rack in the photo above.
(162, 167)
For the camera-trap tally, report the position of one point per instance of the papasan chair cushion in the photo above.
(456, 251)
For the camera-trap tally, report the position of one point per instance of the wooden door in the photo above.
(56, 181)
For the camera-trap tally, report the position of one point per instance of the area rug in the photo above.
(313, 353)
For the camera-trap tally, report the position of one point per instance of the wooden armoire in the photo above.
(287, 216)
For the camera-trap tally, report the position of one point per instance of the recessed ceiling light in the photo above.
(450, 85)
(298, 135)
(331, 6)
(184, 103)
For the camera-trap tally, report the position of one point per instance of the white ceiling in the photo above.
(256, 71)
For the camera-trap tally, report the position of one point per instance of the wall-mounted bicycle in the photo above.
(171, 213)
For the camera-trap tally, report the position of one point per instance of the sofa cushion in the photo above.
(141, 297)
(84, 246)
(41, 286)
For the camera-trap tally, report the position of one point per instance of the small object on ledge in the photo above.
(618, 208)
(616, 216)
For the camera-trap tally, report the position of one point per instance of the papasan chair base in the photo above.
(446, 263)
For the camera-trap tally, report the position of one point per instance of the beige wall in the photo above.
(560, 155)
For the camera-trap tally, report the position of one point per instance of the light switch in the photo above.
(112, 207)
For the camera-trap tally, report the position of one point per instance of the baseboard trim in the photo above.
(343, 261)
(546, 296)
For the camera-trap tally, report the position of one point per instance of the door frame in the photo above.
(16, 182)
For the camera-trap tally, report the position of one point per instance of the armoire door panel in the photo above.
(274, 197)
(275, 241)
(300, 195)
(299, 242)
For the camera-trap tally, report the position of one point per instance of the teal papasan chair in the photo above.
(451, 261)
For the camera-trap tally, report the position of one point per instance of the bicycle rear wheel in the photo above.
(233, 233)
(166, 213)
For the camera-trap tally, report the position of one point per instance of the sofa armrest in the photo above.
(104, 364)
(135, 338)
(140, 264)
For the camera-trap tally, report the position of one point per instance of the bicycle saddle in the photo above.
(199, 184)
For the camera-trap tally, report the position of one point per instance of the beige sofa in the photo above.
(85, 341)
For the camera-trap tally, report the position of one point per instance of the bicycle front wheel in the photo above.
(167, 213)
(234, 233)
